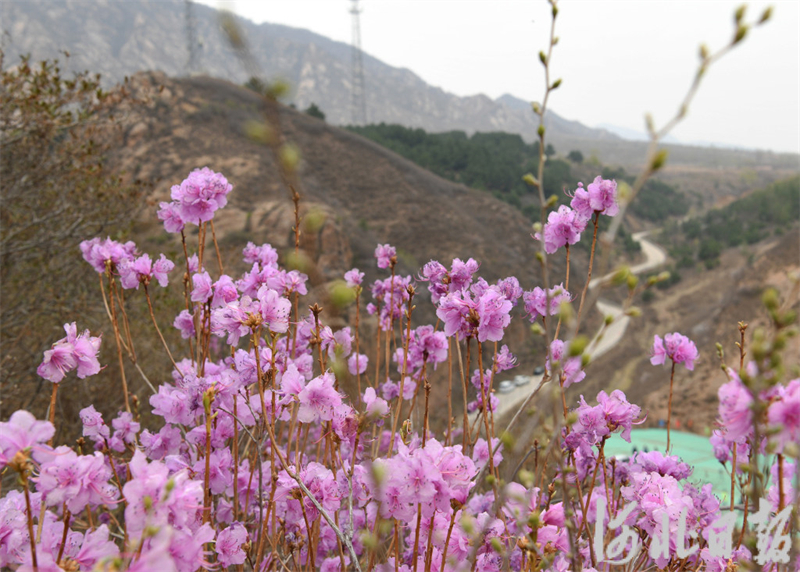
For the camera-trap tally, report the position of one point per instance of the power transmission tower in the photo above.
(358, 105)
(191, 41)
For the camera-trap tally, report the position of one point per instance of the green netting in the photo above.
(691, 448)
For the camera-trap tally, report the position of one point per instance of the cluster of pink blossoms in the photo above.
(73, 352)
(320, 475)
(195, 200)
(564, 226)
(675, 346)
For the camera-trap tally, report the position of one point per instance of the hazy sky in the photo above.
(618, 59)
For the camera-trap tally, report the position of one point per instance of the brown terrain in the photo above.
(705, 306)
(359, 194)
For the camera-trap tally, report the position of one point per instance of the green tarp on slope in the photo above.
(691, 448)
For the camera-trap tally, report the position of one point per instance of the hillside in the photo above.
(118, 39)
(356, 194)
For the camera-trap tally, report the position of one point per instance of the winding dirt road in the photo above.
(655, 256)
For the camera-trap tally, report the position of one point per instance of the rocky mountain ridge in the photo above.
(118, 39)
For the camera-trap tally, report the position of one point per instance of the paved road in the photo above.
(655, 256)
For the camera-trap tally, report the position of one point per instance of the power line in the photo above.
(358, 106)
(191, 39)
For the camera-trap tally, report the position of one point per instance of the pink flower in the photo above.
(264, 255)
(274, 309)
(353, 277)
(200, 195)
(318, 400)
(493, 313)
(224, 291)
(185, 323)
(536, 301)
(385, 253)
(58, 361)
(97, 251)
(734, 408)
(93, 424)
(22, 432)
(563, 227)
(229, 545)
(375, 406)
(357, 363)
(202, 290)
(461, 274)
(678, 348)
(161, 268)
(784, 414)
(171, 215)
(76, 480)
(580, 202)
(453, 311)
(71, 352)
(85, 351)
(603, 196)
(570, 367)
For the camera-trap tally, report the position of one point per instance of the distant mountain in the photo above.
(636, 135)
(118, 39)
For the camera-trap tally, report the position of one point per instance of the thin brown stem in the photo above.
(669, 409)
(117, 337)
(158, 330)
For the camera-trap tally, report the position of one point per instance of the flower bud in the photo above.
(620, 275)
(577, 346)
(369, 540)
(766, 15)
(540, 131)
(259, 132)
(497, 545)
(741, 32)
(556, 84)
(543, 58)
(526, 478)
(290, 156)
(659, 160)
(530, 180)
(507, 440)
(770, 299)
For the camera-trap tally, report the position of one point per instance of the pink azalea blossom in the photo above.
(230, 545)
(385, 253)
(784, 415)
(200, 195)
(264, 255)
(563, 227)
(20, 433)
(318, 399)
(171, 215)
(357, 364)
(675, 346)
(493, 313)
(69, 353)
(353, 277)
